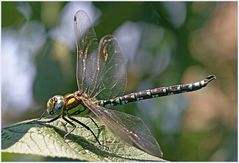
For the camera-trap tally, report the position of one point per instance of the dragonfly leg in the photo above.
(53, 119)
(74, 126)
(88, 128)
(93, 121)
(42, 114)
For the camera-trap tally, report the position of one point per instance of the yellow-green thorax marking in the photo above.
(74, 105)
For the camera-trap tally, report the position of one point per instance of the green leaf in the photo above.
(47, 140)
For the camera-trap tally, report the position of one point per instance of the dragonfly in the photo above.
(101, 81)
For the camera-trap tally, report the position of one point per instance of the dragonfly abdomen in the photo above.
(157, 92)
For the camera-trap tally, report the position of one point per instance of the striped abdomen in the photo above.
(157, 92)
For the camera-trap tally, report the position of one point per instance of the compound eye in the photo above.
(55, 105)
(58, 107)
(59, 104)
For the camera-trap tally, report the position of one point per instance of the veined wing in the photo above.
(111, 74)
(101, 71)
(130, 128)
(87, 45)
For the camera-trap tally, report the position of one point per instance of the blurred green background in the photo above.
(164, 43)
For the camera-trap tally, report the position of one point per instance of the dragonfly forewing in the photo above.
(87, 47)
(101, 70)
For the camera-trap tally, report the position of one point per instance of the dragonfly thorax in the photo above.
(55, 105)
(74, 105)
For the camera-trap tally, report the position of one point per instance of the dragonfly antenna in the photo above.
(42, 114)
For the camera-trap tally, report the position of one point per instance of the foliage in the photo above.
(42, 139)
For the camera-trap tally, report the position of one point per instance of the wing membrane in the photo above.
(112, 69)
(100, 71)
(128, 127)
(87, 45)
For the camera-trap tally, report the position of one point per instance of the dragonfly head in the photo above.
(55, 105)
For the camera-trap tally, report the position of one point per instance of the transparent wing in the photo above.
(87, 45)
(111, 74)
(130, 128)
(100, 71)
